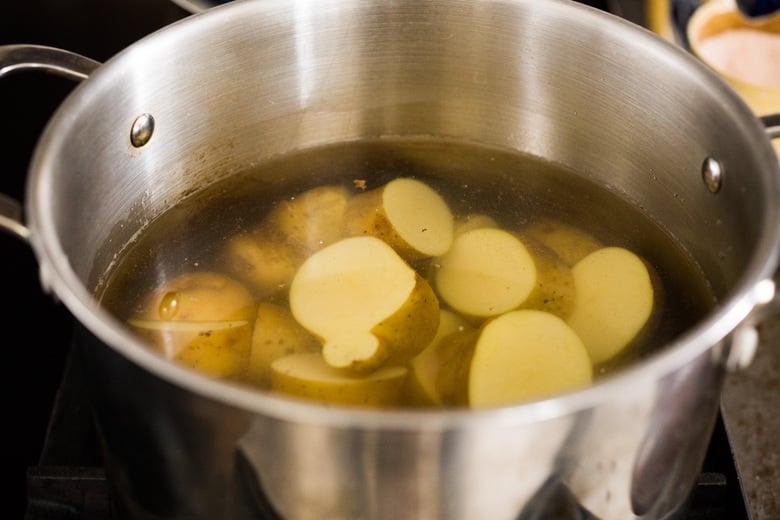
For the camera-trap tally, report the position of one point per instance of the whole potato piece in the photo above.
(554, 288)
(420, 388)
(569, 242)
(312, 219)
(263, 260)
(201, 319)
(276, 334)
(473, 221)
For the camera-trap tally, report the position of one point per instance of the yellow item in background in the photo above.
(722, 20)
(658, 18)
(748, 70)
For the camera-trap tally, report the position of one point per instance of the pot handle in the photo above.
(17, 58)
(772, 124)
(766, 296)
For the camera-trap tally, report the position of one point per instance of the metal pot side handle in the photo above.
(772, 124)
(744, 339)
(17, 58)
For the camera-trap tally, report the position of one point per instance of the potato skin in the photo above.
(457, 351)
(420, 387)
(276, 335)
(569, 242)
(412, 327)
(308, 376)
(263, 260)
(554, 287)
(201, 319)
(313, 219)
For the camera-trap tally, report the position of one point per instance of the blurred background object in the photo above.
(758, 7)
(744, 50)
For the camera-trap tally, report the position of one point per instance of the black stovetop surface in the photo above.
(33, 365)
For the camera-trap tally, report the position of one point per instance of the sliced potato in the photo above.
(405, 213)
(263, 260)
(276, 334)
(313, 219)
(485, 273)
(525, 355)
(310, 377)
(421, 386)
(569, 242)
(201, 319)
(613, 300)
(366, 304)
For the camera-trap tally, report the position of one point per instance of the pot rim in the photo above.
(58, 276)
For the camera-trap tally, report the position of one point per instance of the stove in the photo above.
(51, 457)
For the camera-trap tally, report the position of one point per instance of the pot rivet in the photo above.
(712, 173)
(142, 130)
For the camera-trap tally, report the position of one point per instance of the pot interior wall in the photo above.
(238, 85)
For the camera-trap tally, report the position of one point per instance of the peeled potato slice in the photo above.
(309, 376)
(613, 301)
(365, 304)
(200, 319)
(420, 388)
(569, 242)
(276, 334)
(405, 213)
(524, 355)
(485, 273)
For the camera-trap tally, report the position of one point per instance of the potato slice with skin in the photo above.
(201, 319)
(421, 387)
(569, 242)
(554, 289)
(455, 353)
(405, 213)
(485, 273)
(525, 355)
(310, 377)
(613, 302)
(263, 260)
(312, 219)
(276, 334)
(365, 304)
(473, 221)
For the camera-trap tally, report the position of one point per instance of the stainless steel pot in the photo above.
(215, 92)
